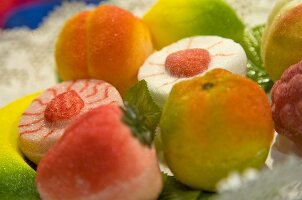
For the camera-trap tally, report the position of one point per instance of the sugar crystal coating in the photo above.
(64, 106)
(287, 103)
(187, 63)
(188, 58)
(99, 159)
(107, 43)
(43, 123)
(216, 124)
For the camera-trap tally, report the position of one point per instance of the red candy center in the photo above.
(187, 63)
(64, 106)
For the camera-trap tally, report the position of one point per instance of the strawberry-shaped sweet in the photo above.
(105, 154)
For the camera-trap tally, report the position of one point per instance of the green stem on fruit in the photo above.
(207, 86)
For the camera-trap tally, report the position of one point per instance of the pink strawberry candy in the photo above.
(99, 158)
(44, 122)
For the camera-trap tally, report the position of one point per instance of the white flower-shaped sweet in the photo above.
(188, 58)
(46, 119)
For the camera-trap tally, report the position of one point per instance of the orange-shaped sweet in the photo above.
(214, 125)
(107, 43)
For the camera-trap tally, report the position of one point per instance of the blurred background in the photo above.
(28, 13)
(29, 29)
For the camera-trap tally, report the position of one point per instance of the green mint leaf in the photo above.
(134, 121)
(140, 98)
(255, 69)
(206, 196)
(174, 190)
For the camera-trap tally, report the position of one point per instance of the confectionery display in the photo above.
(281, 41)
(99, 158)
(180, 81)
(209, 110)
(17, 177)
(44, 122)
(286, 103)
(107, 43)
(188, 58)
(168, 23)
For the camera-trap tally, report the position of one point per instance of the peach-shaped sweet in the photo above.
(100, 157)
(107, 43)
(213, 125)
(282, 42)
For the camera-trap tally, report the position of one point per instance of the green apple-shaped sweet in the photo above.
(172, 20)
(17, 178)
(282, 41)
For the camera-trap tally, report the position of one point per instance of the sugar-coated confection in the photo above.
(44, 122)
(214, 125)
(106, 43)
(98, 158)
(281, 41)
(188, 58)
(172, 20)
(17, 178)
(287, 104)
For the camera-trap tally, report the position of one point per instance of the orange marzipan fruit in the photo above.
(213, 125)
(106, 43)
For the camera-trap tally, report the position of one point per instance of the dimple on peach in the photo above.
(107, 43)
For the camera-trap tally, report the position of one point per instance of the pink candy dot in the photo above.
(187, 63)
(64, 106)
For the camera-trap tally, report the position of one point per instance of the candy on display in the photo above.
(287, 103)
(281, 43)
(80, 140)
(188, 58)
(44, 122)
(98, 157)
(17, 177)
(173, 20)
(107, 43)
(216, 124)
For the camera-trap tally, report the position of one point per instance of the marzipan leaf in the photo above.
(140, 98)
(174, 190)
(255, 68)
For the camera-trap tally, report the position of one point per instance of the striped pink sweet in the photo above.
(44, 122)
